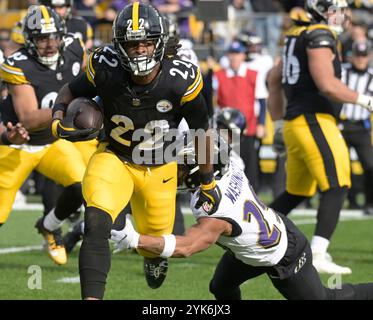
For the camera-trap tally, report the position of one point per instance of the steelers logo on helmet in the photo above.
(43, 30)
(139, 24)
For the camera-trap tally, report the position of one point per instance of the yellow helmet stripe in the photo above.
(45, 14)
(135, 16)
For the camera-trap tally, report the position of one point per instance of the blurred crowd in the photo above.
(247, 34)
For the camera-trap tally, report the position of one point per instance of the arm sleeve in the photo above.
(262, 111)
(82, 87)
(195, 113)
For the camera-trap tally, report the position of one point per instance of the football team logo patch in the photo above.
(207, 207)
(164, 106)
(76, 68)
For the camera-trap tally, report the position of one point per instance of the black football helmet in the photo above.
(59, 3)
(231, 119)
(319, 10)
(139, 22)
(42, 21)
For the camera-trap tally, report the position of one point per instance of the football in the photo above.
(86, 113)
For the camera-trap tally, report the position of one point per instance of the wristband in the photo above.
(4, 139)
(169, 245)
(134, 243)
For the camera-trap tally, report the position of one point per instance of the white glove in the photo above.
(365, 101)
(126, 238)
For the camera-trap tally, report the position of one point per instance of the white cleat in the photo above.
(324, 264)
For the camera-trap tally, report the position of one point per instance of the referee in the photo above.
(355, 120)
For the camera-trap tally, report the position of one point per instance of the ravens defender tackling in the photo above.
(317, 155)
(141, 93)
(34, 74)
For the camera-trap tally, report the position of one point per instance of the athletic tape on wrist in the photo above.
(169, 245)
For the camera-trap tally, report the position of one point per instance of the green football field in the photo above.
(188, 279)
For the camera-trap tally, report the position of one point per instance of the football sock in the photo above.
(51, 222)
(69, 201)
(331, 202)
(94, 255)
(319, 244)
(286, 202)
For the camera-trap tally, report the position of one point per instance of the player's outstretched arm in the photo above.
(276, 98)
(197, 238)
(322, 71)
(13, 134)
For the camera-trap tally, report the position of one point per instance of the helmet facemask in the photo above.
(39, 44)
(150, 28)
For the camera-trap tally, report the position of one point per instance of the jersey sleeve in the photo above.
(194, 84)
(75, 46)
(320, 36)
(12, 70)
(100, 59)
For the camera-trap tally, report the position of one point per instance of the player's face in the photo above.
(139, 48)
(48, 45)
(337, 18)
(62, 11)
(236, 59)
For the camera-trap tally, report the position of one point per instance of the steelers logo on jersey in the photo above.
(164, 106)
(75, 68)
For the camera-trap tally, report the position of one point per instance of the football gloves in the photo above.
(65, 129)
(365, 101)
(278, 145)
(126, 238)
(209, 197)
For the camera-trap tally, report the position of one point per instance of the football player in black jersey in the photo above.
(74, 24)
(34, 74)
(141, 92)
(317, 154)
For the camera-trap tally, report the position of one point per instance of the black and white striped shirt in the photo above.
(360, 82)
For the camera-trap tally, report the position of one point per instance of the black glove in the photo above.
(209, 197)
(65, 129)
(278, 142)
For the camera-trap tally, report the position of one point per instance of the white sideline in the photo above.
(20, 249)
(69, 280)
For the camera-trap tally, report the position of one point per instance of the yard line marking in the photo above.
(69, 280)
(20, 249)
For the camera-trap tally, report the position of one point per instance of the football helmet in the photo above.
(232, 119)
(139, 22)
(41, 22)
(59, 3)
(331, 12)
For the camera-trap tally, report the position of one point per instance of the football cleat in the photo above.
(74, 236)
(155, 271)
(323, 263)
(54, 244)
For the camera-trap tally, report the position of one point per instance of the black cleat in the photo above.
(73, 237)
(155, 271)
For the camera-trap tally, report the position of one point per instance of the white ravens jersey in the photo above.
(258, 234)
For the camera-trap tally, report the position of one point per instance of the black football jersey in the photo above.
(131, 110)
(302, 94)
(23, 68)
(80, 28)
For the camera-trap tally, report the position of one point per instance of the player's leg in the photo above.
(63, 164)
(107, 188)
(153, 210)
(15, 167)
(229, 274)
(327, 158)
(300, 184)
(179, 227)
(361, 141)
